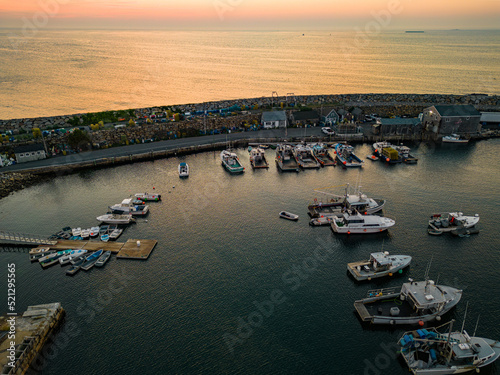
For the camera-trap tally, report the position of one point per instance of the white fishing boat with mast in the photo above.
(334, 205)
(415, 303)
(430, 352)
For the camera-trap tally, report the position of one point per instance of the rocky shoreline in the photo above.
(11, 182)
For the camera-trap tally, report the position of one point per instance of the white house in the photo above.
(273, 119)
(31, 152)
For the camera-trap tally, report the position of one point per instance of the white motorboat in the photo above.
(116, 219)
(288, 216)
(128, 207)
(183, 169)
(454, 138)
(148, 197)
(76, 232)
(354, 222)
(379, 265)
(452, 219)
(430, 352)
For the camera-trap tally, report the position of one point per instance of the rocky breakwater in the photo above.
(482, 102)
(10, 182)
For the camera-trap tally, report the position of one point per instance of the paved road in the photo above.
(161, 145)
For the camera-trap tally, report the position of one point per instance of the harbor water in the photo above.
(233, 289)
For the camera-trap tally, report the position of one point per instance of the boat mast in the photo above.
(465, 316)
(448, 342)
(477, 323)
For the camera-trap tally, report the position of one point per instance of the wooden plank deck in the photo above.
(130, 250)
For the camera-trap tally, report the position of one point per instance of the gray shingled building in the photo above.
(449, 119)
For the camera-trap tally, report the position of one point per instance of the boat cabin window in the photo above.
(355, 221)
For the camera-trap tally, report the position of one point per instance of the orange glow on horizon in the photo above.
(257, 11)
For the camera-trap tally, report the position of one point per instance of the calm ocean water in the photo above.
(65, 72)
(222, 252)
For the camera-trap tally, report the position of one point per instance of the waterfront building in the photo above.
(331, 118)
(451, 119)
(31, 152)
(397, 126)
(273, 119)
(357, 114)
(305, 118)
(490, 120)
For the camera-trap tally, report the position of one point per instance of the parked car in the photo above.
(328, 131)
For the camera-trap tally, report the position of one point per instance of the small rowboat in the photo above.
(288, 216)
(372, 157)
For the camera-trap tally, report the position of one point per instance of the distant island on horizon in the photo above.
(414, 31)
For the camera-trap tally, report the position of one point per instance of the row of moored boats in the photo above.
(78, 258)
(291, 157)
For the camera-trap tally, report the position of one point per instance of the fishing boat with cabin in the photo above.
(285, 159)
(346, 157)
(231, 162)
(415, 303)
(126, 207)
(258, 158)
(323, 156)
(380, 264)
(305, 157)
(431, 352)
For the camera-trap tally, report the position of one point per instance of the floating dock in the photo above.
(32, 332)
(132, 249)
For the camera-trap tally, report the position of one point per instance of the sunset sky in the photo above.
(252, 14)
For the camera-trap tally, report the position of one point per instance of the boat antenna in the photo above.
(437, 280)
(465, 316)
(426, 276)
(477, 323)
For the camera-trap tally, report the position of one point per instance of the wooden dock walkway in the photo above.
(10, 238)
(132, 249)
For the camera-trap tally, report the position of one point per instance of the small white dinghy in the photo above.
(183, 170)
(288, 216)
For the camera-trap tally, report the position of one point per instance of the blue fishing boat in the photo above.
(91, 260)
(346, 157)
